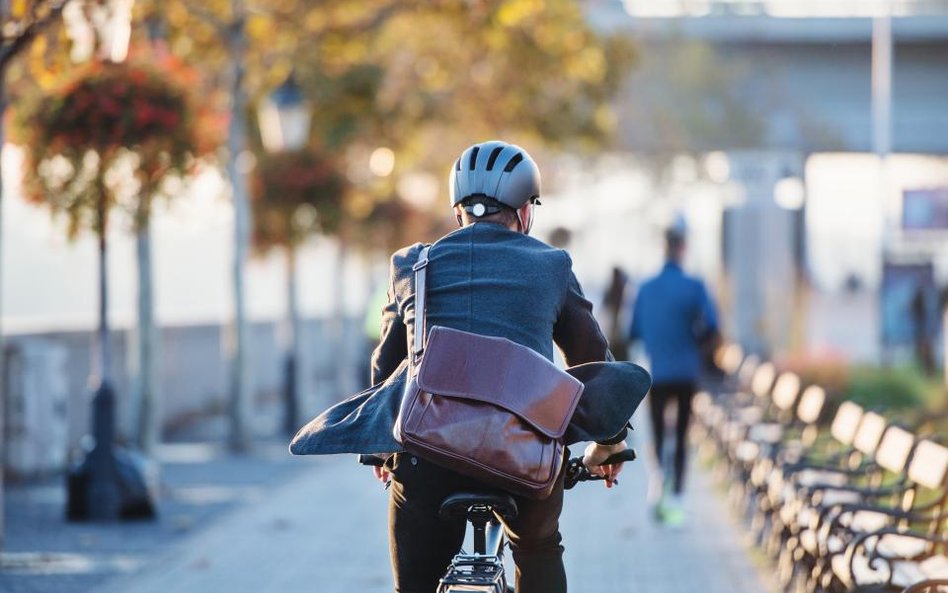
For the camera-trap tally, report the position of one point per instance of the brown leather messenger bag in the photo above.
(484, 406)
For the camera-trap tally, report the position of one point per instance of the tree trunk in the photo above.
(148, 414)
(339, 337)
(241, 402)
(103, 494)
(105, 345)
(293, 359)
(3, 390)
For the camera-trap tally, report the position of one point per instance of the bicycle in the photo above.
(482, 571)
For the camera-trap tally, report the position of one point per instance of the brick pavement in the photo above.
(324, 531)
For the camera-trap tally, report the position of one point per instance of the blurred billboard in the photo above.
(925, 209)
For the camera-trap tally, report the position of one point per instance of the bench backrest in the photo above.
(809, 409)
(785, 391)
(748, 368)
(701, 402)
(811, 404)
(729, 357)
(869, 434)
(927, 469)
(846, 423)
(929, 466)
(763, 379)
(894, 449)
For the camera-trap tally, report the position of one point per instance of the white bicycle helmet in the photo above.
(497, 171)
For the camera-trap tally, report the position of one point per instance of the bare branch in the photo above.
(220, 25)
(15, 45)
(376, 20)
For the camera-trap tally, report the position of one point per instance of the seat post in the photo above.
(478, 516)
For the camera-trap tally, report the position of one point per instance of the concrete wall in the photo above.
(47, 388)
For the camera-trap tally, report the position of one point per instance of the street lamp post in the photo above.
(284, 118)
(108, 484)
(790, 195)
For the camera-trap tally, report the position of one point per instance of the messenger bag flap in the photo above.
(498, 371)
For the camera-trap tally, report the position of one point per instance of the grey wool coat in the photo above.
(486, 279)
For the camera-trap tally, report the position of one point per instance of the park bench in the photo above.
(717, 416)
(726, 418)
(759, 431)
(812, 500)
(928, 586)
(773, 451)
(756, 420)
(841, 456)
(729, 357)
(767, 445)
(896, 545)
(849, 457)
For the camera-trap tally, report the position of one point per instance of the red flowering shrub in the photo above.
(130, 117)
(295, 194)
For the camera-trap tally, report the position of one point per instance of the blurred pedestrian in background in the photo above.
(922, 327)
(674, 317)
(614, 305)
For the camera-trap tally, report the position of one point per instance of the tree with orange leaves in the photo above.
(115, 135)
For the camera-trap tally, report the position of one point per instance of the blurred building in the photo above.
(731, 100)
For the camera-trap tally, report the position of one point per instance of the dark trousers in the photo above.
(422, 544)
(662, 393)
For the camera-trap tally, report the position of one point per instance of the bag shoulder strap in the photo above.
(420, 289)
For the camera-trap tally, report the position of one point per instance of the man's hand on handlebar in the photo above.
(596, 454)
(382, 474)
(378, 468)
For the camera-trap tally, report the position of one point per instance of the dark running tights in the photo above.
(660, 396)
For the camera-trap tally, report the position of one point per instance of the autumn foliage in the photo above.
(295, 194)
(108, 116)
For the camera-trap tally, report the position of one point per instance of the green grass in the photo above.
(890, 388)
(903, 394)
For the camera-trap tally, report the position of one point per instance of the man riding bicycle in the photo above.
(491, 278)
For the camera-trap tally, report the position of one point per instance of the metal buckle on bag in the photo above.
(422, 259)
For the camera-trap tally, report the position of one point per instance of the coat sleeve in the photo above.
(393, 345)
(579, 336)
(576, 331)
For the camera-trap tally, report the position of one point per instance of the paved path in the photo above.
(325, 532)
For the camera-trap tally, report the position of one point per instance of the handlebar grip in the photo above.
(371, 460)
(576, 472)
(620, 457)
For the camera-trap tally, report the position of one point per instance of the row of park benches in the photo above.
(860, 505)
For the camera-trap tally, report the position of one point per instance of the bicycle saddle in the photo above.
(459, 503)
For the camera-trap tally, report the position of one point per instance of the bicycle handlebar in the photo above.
(576, 471)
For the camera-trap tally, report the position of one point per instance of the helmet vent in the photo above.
(473, 162)
(493, 157)
(457, 165)
(514, 161)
